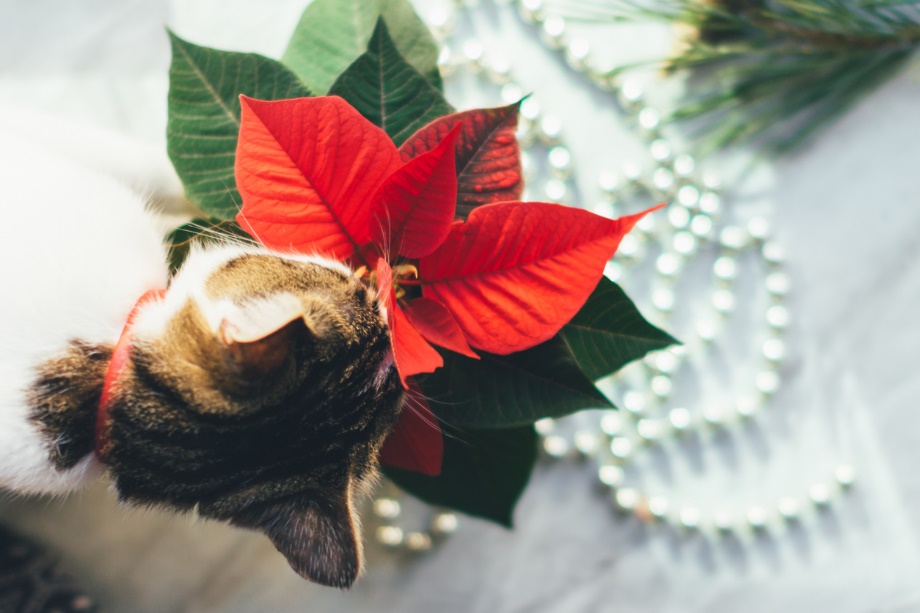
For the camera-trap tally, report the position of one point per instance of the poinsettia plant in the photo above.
(498, 309)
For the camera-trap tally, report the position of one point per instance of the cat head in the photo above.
(263, 387)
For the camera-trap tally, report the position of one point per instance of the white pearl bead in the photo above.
(778, 317)
(649, 429)
(679, 418)
(845, 475)
(684, 165)
(511, 93)
(545, 426)
(777, 284)
(713, 416)
(627, 498)
(500, 71)
(758, 228)
(688, 196)
(553, 31)
(710, 203)
(746, 406)
(560, 159)
(391, 536)
(531, 10)
(684, 243)
(646, 224)
(701, 225)
(387, 508)
(585, 443)
(789, 508)
(820, 494)
(632, 172)
(630, 93)
(661, 386)
(773, 349)
(609, 182)
(668, 264)
(611, 475)
(634, 402)
(663, 299)
(612, 424)
(555, 190)
(530, 109)
(725, 268)
(418, 541)
(690, 518)
(576, 54)
(472, 50)
(439, 18)
(757, 518)
(665, 361)
(629, 246)
(733, 237)
(555, 446)
(678, 216)
(445, 523)
(767, 382)
(663, 179)
(660, 150)
(723, 521)
(551, 127)
(621, 447)
(723, 300)
(658, 507)
(711, 180)
(649, 119)
(773, 253)
(706, 330)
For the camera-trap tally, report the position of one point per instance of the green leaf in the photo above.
(609, 331)
(499, 391)
(204, 116)
(332, 34)
(203, 231)
(388, 91)
(483, 474)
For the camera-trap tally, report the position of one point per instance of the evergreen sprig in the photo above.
(774, 72)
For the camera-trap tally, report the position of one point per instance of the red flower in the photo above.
(317, 177)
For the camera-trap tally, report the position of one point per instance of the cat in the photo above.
(258, 389)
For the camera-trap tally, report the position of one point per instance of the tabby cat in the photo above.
(258, 390)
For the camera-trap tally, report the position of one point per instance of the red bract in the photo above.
(516, 272)
(415, 206)
(306, 169)
(416, 442)
(410, 351)
(488, 156)
(316, 177)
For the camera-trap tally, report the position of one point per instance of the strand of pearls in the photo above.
(692, 217)
(689, 229)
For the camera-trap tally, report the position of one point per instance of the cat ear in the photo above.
(258, 334)
(260, 318)
(318, 537)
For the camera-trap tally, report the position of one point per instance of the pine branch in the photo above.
(774, 72)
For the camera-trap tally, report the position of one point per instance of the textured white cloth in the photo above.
(846, 210)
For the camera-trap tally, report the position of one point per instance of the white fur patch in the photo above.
(82, 249)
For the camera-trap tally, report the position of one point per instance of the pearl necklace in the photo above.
(616, 439)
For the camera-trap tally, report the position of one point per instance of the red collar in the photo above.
(121, 356)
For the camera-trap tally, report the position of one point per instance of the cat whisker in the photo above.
(414, 400)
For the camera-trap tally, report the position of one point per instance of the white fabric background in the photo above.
(846, 210)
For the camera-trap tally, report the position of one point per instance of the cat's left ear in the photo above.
(259, 333)
(318, 536)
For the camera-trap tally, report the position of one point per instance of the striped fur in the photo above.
(277, 433)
